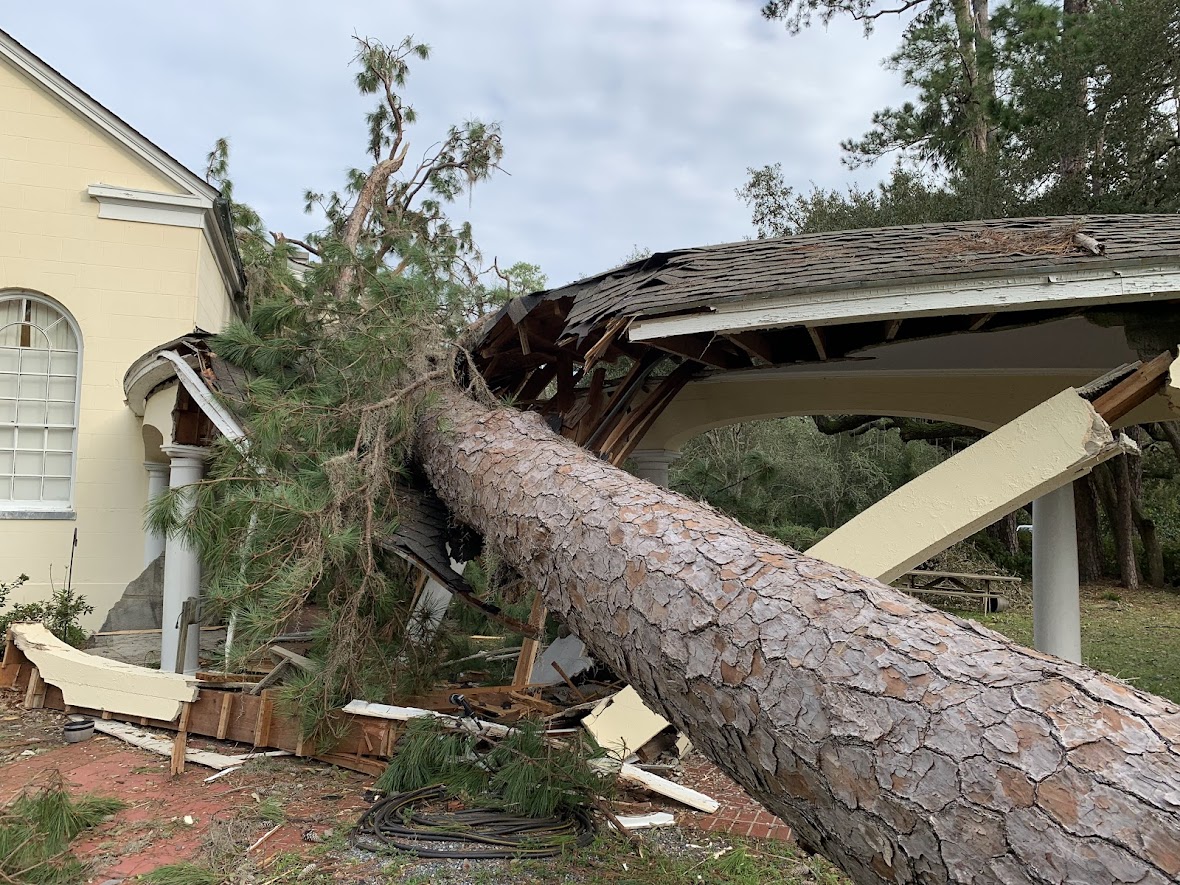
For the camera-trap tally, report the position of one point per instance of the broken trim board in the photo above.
(631, 822)
(101, 684)
(162, 746)
(625, 771)
(622, 723)
(1046, 448)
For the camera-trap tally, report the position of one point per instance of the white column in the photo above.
(1057, 623)
(652, 464)
(153, 542)
(182, 568)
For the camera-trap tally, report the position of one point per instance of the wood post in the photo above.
(35, 694)
(530, 647)
(180, 742)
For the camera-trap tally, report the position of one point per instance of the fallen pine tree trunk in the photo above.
(903, 743)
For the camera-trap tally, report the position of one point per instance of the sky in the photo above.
(626, 123)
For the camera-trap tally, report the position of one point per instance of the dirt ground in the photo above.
(304, 810)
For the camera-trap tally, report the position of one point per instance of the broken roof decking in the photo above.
(809, 299)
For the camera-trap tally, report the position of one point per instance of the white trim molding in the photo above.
(834, 307)
(150, 207)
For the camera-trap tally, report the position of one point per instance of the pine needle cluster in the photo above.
(523, 772)
(36, 830)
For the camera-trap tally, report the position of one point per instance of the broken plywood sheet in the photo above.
(569, 653)
(622, 723)
(100, 684)
(1047, 447)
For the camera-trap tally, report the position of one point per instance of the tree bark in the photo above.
(1114, 486)
(903, 743)
(1004, 531)
(1085, 497)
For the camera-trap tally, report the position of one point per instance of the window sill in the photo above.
(37, 514)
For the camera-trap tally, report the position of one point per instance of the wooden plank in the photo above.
(892, 328)
(180, 742)
(227, 704)
(1142, 385)
(530, 647)
(161, 747)
(623, 395)
(595, 353)
(298, 660)
(13, 659)
(673, 384)
(188, 614)
(980, 321)
(262, 723)
(756, 344)
(817, 339)
(35, 694)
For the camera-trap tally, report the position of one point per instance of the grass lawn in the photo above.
(1132, 635)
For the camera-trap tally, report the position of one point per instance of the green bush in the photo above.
(59, 615)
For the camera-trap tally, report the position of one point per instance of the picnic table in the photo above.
(984, 588)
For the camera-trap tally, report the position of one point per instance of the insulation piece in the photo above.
(101, 684)
(1044, 449)
(569, 653)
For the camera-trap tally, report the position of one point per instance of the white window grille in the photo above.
(40, 370)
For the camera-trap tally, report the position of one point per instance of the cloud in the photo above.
(624, 123)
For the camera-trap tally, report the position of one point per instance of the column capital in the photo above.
(159, 468)
(654, 457)
(197, 454)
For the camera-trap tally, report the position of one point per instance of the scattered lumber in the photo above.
(137, 737)
(625, 771)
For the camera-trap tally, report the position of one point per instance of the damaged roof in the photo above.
(684, 280)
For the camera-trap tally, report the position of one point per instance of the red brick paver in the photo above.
(739, 814)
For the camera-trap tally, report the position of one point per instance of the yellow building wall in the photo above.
(130, 286)
(214, 307)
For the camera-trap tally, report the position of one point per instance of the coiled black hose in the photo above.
(392, 824)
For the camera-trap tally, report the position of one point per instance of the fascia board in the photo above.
(1066, 289)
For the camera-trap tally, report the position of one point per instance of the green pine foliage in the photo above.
(522, 772)
(37, 828)
(341, 353)
(59, 614)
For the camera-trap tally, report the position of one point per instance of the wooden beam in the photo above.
(623, 394)
(180, 742)
(602, 345)
(980, 321)
(663, 396)
(817, 339)
(756, 344)
(707, 349)
(523, 335)
(530, 647)
(1142, 385)
(892, 328)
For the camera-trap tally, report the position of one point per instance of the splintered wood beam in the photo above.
(595, 403)
(537, 382)
(892, 328)
(817, 339)
(523, 334)
(672, 385)
(1138, 388)
(756, 344)
(595, 353)
(980, 321)
(641, 417)
(631, 382)
(531, 645)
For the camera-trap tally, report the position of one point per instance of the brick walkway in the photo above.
(738, 814)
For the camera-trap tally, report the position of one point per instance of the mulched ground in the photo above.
(315, 800)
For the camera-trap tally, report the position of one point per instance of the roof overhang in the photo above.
(1070, 288)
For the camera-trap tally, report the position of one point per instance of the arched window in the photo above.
(40, 368)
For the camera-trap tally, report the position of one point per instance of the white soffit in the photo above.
(1066, 289)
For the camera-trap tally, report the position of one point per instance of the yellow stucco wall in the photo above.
(129, 286)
